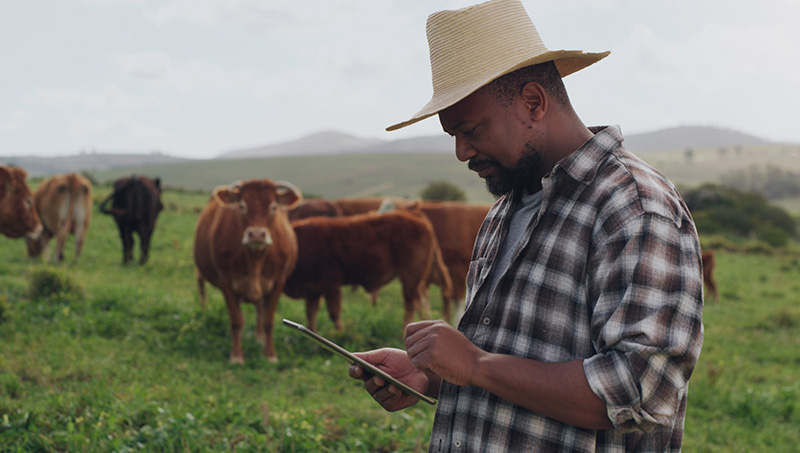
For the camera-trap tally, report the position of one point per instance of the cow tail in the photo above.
(74, 187)
(103, 204)
(201, 289)
(441, 275)
(103, 208)
(439, 268)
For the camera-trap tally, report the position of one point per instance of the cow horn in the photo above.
(288, 194)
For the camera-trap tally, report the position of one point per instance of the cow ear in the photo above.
(223, 195)
(19, 174)
(288, 194)
(5, 181)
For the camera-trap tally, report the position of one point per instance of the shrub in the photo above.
(724, 210)
(442, 191)
(52, 284)
(772, 235)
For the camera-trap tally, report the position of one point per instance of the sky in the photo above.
(197, 78)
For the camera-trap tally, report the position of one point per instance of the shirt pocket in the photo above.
(475, 277)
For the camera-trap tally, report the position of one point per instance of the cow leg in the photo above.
(373, 297)
(45, 248)
(424, 304)
(144, 243)
(447, 301)
(411, 295)
(265, 322)
(333, 302)
(712, 288)
(80, 235)
(237, 322)
(126, 234)
(312, 307)
(61, 240)
(414, 294)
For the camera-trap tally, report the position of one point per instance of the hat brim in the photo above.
(566, 61)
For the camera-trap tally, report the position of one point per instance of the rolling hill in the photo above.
(677, 138)
(336, 165)
(336, 143)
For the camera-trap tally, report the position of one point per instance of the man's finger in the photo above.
(374, 384)
(415, 327)
(356, 372)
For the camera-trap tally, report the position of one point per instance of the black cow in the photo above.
(135, 204)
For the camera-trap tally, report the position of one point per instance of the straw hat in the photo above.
(472, 46)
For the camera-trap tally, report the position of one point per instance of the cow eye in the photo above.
(243, 207)
(273, 207)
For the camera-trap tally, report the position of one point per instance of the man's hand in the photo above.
(396, 363)
(439, 348)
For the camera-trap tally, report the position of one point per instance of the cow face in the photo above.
(18, 216)
(259, 203)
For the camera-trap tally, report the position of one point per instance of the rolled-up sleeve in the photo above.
(645, 284)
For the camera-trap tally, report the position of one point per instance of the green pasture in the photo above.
(334, 176)
(406, 174)
(96, 356)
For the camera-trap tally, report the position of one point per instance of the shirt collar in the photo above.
(581, 165)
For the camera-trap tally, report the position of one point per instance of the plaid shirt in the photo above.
(610, 272)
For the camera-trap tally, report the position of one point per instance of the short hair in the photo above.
(507, 87)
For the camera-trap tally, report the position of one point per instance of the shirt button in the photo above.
(457, 444)
(486, 321)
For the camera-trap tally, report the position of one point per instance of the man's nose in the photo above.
(464, 151)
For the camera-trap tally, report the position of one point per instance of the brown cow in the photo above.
(361, 205)
(367, 250)
(352, 206)
(18, 215)
(135, 205)
(709, 262)
(456, 225)
(316, 207)
(245, 246)
(64, 204)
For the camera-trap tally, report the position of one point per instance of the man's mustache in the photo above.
(474, 164)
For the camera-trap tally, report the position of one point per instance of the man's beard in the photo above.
(517, 177)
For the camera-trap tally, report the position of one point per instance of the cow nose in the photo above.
(34, 235)
(257, 237)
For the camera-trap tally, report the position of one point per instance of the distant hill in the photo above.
(683, 137)
(44, 166)
(320, 143)
(677, 139)
(336, 143)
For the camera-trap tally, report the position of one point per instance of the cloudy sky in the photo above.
(196, 78)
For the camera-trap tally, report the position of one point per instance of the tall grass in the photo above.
(97, 356)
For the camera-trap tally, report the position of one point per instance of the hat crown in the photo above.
(472, 46)
(464, 43)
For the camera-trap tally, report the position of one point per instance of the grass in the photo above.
(744, 395)
(97, 356)
(108, 357)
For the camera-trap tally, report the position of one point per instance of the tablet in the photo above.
(352, 359)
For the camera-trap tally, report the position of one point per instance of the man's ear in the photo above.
(536, 100)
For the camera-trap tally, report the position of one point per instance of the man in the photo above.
(583, 311)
